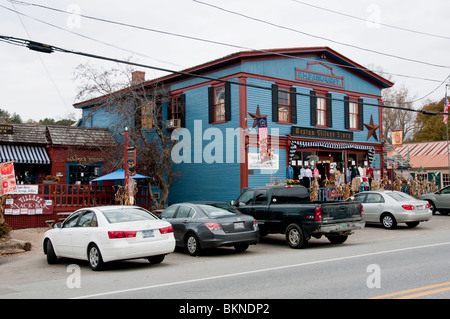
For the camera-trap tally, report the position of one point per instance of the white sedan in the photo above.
(109, 233)
(392, 207)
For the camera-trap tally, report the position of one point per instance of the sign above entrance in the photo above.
(319, 133)
(319, 73)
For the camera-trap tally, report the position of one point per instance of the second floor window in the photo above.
(283, 106)
(147, 114)
(353, 112)
(353, 115)
(321, 111)
(219, 104)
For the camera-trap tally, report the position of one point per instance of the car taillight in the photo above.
(213, 226)
(408, 207)
(255, 223)
(121, 234)
(318, 214)
(427, 205)
(166, 230)
(362, 209)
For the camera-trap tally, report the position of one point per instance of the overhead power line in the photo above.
(183, 36)
(320, 37)
(380, 23)
(46, 48)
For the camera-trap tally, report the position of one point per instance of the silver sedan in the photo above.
(392, 207)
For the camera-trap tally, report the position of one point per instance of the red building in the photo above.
(55, 163)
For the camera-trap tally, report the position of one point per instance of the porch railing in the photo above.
(69, 198)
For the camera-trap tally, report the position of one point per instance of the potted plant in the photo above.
(49, 179)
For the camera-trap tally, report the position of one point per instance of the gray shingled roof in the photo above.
(79, 136)
(55, 135)
(25, 134)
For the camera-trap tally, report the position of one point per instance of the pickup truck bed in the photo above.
(288, 210)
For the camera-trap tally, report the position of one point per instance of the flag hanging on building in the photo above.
(397, 138)
(262, 139)
(446, 107)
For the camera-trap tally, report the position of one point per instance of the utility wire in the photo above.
(192, 38)
(380, 23)
(43, 63)
(45, 48)
(319, 37)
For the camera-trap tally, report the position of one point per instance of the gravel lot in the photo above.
(31, 235)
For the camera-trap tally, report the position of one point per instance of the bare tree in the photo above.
(139, 107)
(398, 119)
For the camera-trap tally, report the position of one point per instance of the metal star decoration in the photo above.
(256, 116)
(372, 129)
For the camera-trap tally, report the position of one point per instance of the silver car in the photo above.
(439, 201)
(392, 207)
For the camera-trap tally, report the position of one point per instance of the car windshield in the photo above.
(218, 210)
(401, 197)
(123, 215)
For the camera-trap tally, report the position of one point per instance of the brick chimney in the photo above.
(137, 77)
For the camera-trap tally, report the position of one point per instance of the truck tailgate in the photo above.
(335, 212)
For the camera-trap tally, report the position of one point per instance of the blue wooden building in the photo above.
(322, 111)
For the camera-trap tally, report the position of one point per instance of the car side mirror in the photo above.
(57, 225)
(234, 203)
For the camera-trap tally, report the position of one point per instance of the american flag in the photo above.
(446, 107)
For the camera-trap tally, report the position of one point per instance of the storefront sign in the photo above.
(321, 133)
(84, 160)
(28, 205)
(6, 129)
(317, 76)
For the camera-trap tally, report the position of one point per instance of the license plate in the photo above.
(239, 225)
(419, 207)
(147, 233)
(344, 226)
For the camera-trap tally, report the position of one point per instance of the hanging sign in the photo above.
(7, 178)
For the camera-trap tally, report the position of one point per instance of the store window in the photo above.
(83, 174)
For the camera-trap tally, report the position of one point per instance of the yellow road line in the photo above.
(414, 290)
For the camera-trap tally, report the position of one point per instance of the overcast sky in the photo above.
(410, 40)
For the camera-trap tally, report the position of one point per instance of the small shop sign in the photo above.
(30, 204)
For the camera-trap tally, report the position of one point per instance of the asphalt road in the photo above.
(373, 263)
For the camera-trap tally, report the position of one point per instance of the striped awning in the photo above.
(340, 146)
(24, 154)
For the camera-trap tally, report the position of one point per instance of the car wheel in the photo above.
(388, 221)
(156, 259)
(95, 257)
(192, 245)
(295, 236)
(337, 239)
(241, 247)
(51, 256)
(432, 207)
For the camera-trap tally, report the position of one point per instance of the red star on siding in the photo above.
(372, 129)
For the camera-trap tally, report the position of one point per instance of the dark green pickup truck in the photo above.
(288, 210)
